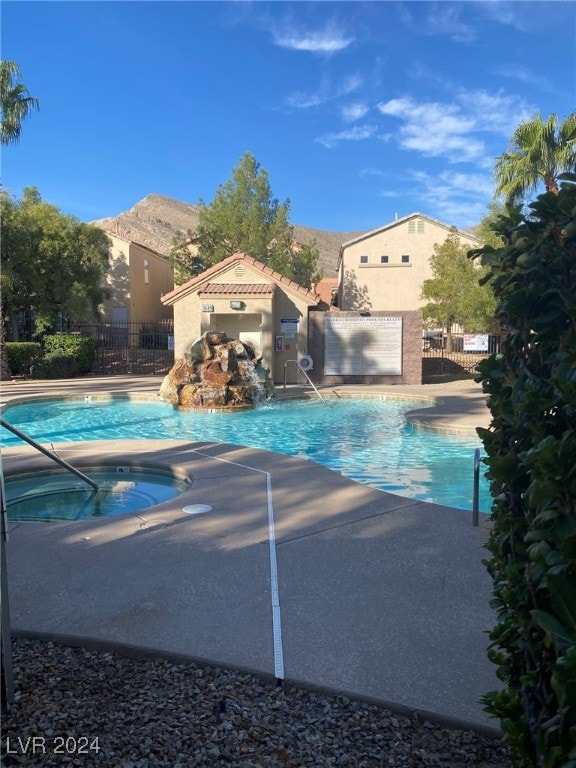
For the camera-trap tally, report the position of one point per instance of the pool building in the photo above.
(286, 324)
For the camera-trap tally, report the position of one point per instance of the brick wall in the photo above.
(411, 350)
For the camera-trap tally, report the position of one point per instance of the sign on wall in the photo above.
(363, 346)
(289, 328)
(476, 342)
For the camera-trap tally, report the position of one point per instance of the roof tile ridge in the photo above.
(272, 272)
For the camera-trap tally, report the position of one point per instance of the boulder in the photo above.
(217, 372)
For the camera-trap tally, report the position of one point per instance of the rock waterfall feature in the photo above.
(217, 373)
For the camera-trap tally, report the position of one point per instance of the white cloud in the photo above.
(358, 133)
(454, 129)
(330, 39)
(435, 129)
(300, 100)
(524, 75)
(355, 111)
(444, 19)
(325, 93)
(457, 198)
(494, 112)
(371, 172)
(503, 12)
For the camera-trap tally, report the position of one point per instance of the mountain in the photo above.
(154, 221)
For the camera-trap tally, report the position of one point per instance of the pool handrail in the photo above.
(50, 454)
(476, 488)
(6, 671)
(305, 374)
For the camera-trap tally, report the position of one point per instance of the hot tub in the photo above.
(56, 495)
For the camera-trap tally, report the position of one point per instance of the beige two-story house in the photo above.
(384, 269)
(137, 278)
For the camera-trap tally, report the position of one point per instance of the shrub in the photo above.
(21, 355)
(531, 449)
(74, 345)
(55, 366)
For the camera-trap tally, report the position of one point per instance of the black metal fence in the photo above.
(454, 358)
(130, 348)
(147, 348)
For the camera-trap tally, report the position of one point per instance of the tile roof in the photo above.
(199, 282)
(237, 289)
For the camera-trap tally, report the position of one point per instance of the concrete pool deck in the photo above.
(379, 596)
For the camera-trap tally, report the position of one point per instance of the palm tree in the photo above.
(15, 105)
(15, 102)
(538, 152)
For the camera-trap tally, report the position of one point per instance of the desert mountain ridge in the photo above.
(155, 219)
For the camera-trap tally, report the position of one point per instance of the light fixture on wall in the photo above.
(237, 304)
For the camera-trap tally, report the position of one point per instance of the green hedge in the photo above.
(73, 345)
(21, 355)
(531, 459)
(55, 366)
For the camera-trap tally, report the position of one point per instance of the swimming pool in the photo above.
(367, 440)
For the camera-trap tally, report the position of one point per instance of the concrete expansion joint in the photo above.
(346, 524)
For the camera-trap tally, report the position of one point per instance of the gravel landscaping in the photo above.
(78, 707)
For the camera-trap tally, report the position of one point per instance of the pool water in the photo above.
(367, 440)
(60, 496)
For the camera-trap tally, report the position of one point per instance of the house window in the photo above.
(420, 225)
(384, 259)
(405, 259)
(146, 272)
(363, 259)
(412, 226)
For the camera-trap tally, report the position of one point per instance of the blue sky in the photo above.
(358, 111)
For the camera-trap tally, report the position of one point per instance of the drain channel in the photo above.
(274, 591)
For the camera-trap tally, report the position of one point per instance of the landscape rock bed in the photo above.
(154, 713)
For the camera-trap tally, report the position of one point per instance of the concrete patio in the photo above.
(378, 596)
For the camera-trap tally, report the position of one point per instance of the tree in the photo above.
(15, 102)
(454, 292)
(485, 230)
(15, 105)
(52, 264)
(538, 152)
(244, 217)
(530, 447)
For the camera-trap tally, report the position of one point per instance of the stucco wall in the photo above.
(145, 304)
(395, 285)
(117, 278)
(190, 322)
(289, 307)
(126, 281)
(411, 350)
